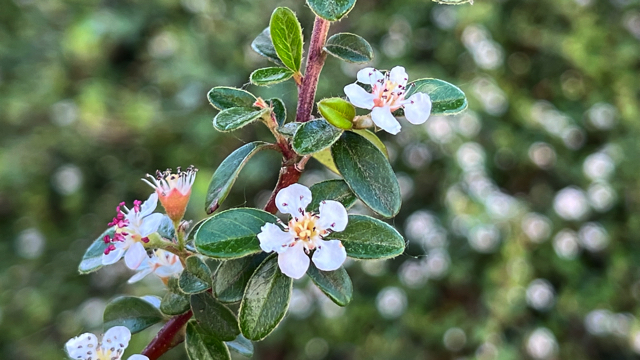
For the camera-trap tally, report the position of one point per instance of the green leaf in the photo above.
(232, 277)
(335, 284)
(349, 47)
(446, 99)
(369, 238)
(263, 45)
(174, 302)
(196, 276)
(325, 158)
(134, 313)
(286, 35)
(226, 174)
(235, 118)
(289, 129)
(279, 109)
(232, 233)
(92, 259)
(241, 345)
(338, 112)
(270, 76)
(368, 173)
(213, 317)
(166, 229)
(202, 346)
(336, 190)
(374, 139)
(332, 10)
(314, 136)
(265, 301)
(223, 97)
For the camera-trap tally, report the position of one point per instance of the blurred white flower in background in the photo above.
(540, 295)
(391, 302)
(542, 344)
(571, 203)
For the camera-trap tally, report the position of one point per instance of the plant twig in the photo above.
(166, 338)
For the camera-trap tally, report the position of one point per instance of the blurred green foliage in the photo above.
(95, 94)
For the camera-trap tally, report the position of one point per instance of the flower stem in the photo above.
(315, 62)
(166, 338)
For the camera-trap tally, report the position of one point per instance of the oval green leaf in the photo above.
(336, 190)
(232, 277)
(289, 129)
(332, 10)
(265, 301)
(92, 259)
(286, 34)
(232, 233)
(314, 136)
(241, 345)
(226, 174)
(131, 312)
(224, 97)
(349, 47)
(446, 99)
(338, 112)
(270, 76)
(174, 302)
(335, 284)
(263, 45)
(325, 158)
(368, 173)
(196, 276)
(279, 110)
(213, 317)
(202, 346)
(369, 238)
(235, 118)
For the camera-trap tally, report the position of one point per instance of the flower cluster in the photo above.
(111, 346)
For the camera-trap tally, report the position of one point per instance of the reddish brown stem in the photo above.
(166, 338)
(315, 62)
(289, 174)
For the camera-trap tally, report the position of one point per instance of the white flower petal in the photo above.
(398, 75)
(113, 256)
(135, 256)
(333, 216)
(382, 117)
(138, 357)
(169, 270)
(417, 111)
(150, 224)
(148, 206)
(329, 255)
(141, 274)
(78, 347)
(153, 300)
(359, 97)
(293, 200)
(294, 262)
(272, 238)
(117, 337)
(369, 76)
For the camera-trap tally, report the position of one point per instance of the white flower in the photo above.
(304, 233)
(387, 95)
(162, 263)
(132, 229)
(112, 346)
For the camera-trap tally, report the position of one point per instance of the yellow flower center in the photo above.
(305, 229)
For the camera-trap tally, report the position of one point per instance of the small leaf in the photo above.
(349, 47)
(166, 229)
(263, 45)
(278, 108)
(270, 76)
(336, 190)
(314, 136)
(338, 112)
(368, 173)
(335, 284)
(92, 259)
(332, 10)
(202, 346)
(369, 238)
(213, 317)
(289, 129)
(174, 302)
(226, 174)
(265, 301)
(233, 275)
(196, 276)
(235, 118)
(134, 313)
(241, 345)
(232, 233)
(286, 35)
(223, 97)
(446, 99)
